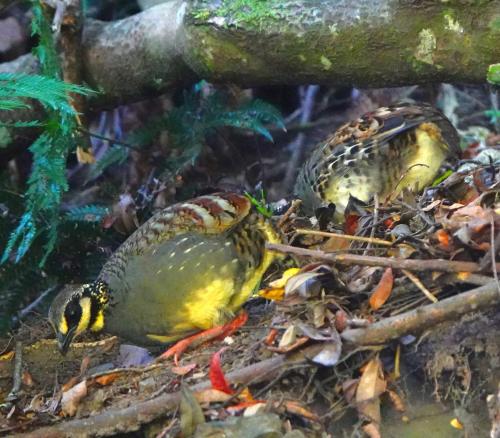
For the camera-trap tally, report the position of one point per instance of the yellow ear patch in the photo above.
(63, 326)
(83, 324)
(99, 322)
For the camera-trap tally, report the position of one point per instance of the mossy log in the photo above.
(364, 43)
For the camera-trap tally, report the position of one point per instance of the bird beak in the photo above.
(64, 341)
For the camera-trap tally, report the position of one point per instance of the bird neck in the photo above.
(98, 292)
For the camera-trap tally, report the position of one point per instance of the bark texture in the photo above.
(366, 43)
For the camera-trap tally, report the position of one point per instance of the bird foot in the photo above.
(204, 337)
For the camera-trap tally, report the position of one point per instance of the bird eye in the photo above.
(73, 312)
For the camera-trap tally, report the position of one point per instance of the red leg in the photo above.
(206, 336)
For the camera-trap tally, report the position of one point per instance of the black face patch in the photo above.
(73, 312)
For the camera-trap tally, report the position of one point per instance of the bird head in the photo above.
(76, 309)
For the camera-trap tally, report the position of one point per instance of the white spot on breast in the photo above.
(189, 250)
(172, 254)
(158, 271)
(182, 268)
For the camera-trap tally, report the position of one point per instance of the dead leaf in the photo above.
(372, 430)
(455, 423)
(7, 356)
(340, 321)
(298, 343)
(271, 336)
(371, 386)
(397, 402)
(351, 224)
(432, 205)
(296, 408)
(250, 408)
(383, 290)
(107, 379)
(363, 280)
(281, 282)
(84, 156)
(329, 354)
(211, 395)
(289, 337)
(71, 399)
(305, 284)
(133, 356)
(183, 370)
(444, 240)
(191, 414)
(402, 251)
(216, 375)
(349, 388)
(27, 378)
(319, 315)
(271, 294)
(70, 383)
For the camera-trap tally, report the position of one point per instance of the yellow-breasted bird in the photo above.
(190, 267)
(383, 152)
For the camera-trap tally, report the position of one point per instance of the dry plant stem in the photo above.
(18, 369)
(373, 240)
(425, 317)
(353, 259)
(130, 419)
(416, 281)
(299, 142)
(374, 223)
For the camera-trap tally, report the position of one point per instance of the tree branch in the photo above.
(364, 43)
(423, 318)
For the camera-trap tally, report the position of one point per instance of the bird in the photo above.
(382, 153)
(189, 268)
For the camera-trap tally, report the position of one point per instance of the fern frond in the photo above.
(47, 180)
(51, 93)
(87, 213)
(114, 155)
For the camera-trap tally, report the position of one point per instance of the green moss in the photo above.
(493, 75)
(252, 13)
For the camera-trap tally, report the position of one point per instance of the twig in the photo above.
(30, 307)
(298, 144)
(18, 370)
(395, 263)
(416, 281)
(424, 317)
(296, 203)
(373, 240)
(490, 256)
(374, 223)
(121, 420)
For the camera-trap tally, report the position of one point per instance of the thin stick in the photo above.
(373, 240)
(395, 263)
(416, 281)
(18, 370)
(420, 319)
(374, 223)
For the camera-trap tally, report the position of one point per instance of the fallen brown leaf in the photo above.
(183, 370)
(383, 290)
(71, 399)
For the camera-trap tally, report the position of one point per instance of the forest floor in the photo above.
(387, 326)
